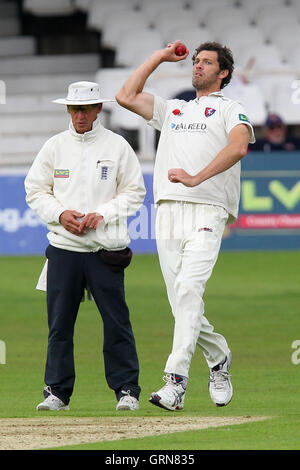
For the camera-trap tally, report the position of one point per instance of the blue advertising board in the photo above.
(22, 232)
(269, 217)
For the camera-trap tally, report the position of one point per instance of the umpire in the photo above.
(84, 183)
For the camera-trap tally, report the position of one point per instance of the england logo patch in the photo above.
(104, 172)
(209, 111)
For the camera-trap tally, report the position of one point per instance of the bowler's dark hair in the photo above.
(225, 58)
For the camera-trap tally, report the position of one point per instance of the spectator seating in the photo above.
(263, 35)
(12, 46)
(116, 27)
(136, 46)
(49, 8)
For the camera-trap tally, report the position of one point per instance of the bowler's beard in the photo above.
(203, 84)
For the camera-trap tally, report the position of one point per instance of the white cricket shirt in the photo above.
(192, 134)
(97, 171)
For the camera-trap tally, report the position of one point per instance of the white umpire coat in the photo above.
(97, 171)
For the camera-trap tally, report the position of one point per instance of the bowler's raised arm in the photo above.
(131, 96)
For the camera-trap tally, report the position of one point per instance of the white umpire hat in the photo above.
(81, 93)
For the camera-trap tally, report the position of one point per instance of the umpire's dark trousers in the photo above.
(68, 274)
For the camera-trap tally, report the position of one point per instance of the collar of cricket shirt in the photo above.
(214, 93)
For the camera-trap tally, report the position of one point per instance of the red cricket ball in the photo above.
(180, 50)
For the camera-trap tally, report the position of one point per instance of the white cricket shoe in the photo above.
(52, 403)
(220, 387)
(170, 396)
(127, 402)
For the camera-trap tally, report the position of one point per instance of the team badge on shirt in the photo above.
(243, 117)
(61, 173)
(177, 112)
(209, 111)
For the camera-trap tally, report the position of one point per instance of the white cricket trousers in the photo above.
(188, 242)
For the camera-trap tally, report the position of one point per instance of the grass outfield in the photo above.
(252, 298)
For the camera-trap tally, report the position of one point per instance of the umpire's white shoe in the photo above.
(127, 402)
(52, 403)
(220, 387)
(170, 396)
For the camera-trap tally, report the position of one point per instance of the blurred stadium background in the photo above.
(46, 45)
(253, 298)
